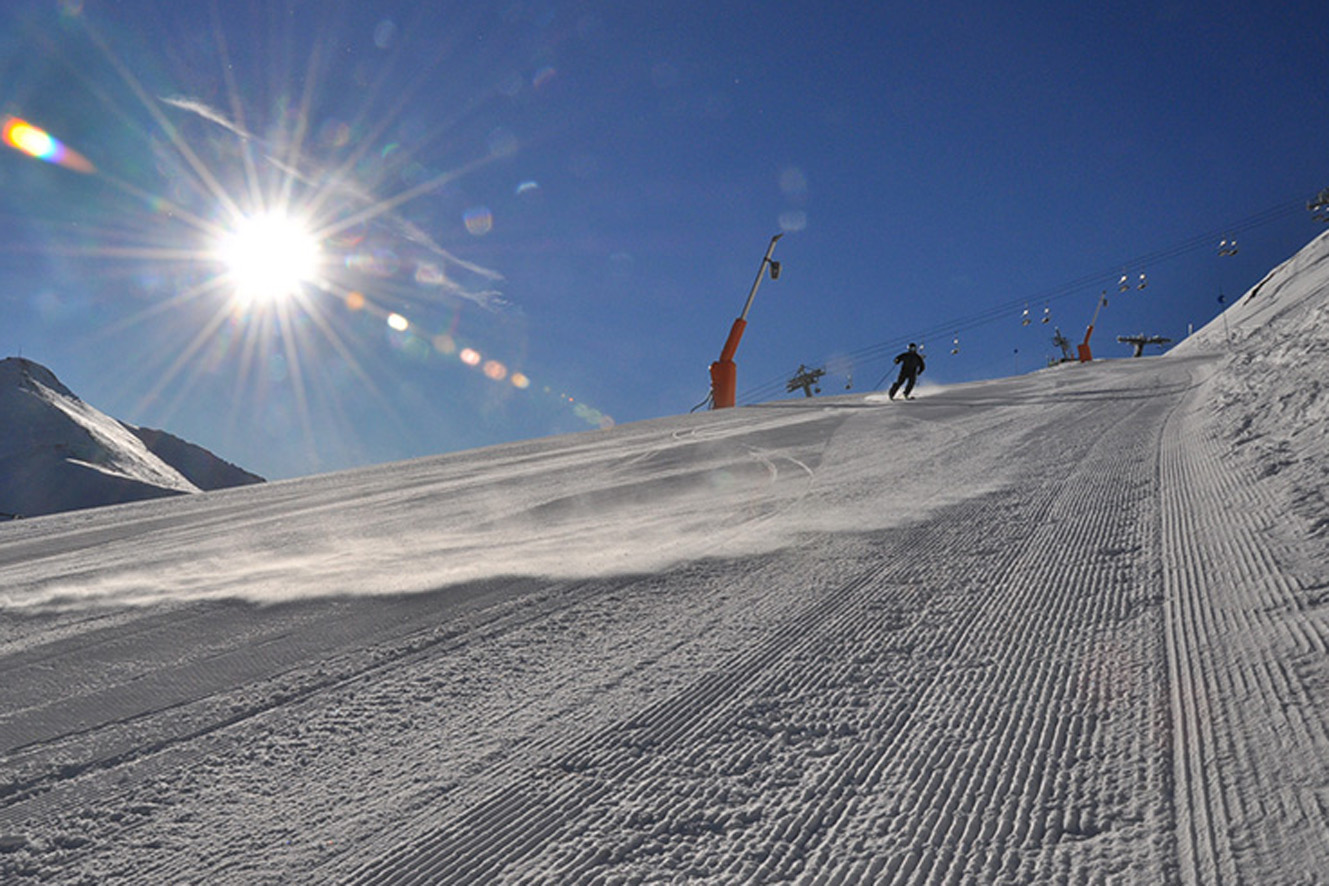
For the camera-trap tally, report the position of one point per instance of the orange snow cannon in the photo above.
(724, 373)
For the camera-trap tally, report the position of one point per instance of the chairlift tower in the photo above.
(1064, 343)
(806, 379)
(1139, 341)
(1319, 206)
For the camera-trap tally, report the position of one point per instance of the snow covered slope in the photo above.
(58, 453)
(195, 464)
(1066, 627)
(1269, 398)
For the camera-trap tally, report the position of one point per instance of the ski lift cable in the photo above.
(1065, 290)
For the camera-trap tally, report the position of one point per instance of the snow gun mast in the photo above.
(724, 373)
(1083, 348)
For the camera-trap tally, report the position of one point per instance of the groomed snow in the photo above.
(1065, 627)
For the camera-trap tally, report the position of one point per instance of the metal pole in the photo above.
(761, 272)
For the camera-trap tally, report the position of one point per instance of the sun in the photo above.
(268, 257)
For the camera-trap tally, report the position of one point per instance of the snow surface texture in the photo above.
(58, 453)
(1067, 627)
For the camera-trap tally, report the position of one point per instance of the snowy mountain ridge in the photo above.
(58, 453)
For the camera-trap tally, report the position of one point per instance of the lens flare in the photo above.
(275, 244)
(23, 136)
(429, 274)
(543, 76)
(479, 220)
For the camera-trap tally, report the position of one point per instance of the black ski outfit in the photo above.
(911, 367)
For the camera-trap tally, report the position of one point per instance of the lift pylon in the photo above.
(1139, 341)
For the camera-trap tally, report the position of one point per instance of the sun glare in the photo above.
(268, 257)
(277, 233)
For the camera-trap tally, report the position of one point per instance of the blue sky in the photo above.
(575, 198)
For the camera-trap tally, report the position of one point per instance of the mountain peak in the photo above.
(58, 453)
(21, 372)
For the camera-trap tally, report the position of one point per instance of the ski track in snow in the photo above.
(1246, 716)
(810, 683)
(872, 652)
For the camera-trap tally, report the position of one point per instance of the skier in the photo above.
(911, 367)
